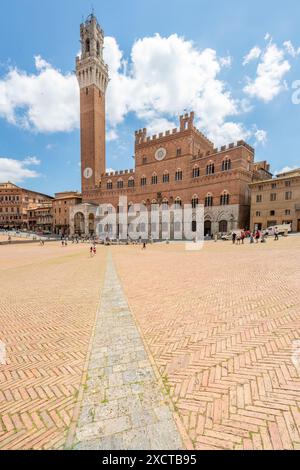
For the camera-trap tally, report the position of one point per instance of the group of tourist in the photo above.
(254, 237)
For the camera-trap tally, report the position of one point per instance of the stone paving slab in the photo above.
(223, 327)
(47, 315)
(123, 405)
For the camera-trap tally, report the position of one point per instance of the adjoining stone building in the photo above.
(40, 218)
(24, 209)
(61, 206)
(179, 166)
(276, 201)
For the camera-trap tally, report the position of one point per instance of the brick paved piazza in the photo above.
(211, 336)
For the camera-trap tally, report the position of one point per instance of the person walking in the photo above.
(276, 233)
(257, 236)
(234, 238)
(94, 250)
(251, 238)
(91, 251)
(243, 236)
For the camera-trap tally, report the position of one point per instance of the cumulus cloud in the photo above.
(111, 135)
(290, 49)
(165, 76)
(253, 54)
(261, 136)
(47, 101)
(162, 77)
(32, 161)
(17, 170)
(271, 70)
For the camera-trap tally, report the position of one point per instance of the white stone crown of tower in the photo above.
(90, 66)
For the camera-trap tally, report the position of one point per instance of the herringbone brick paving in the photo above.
(48, 301)
(221, 324)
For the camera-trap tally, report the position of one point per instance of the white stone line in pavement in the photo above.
(123, 406)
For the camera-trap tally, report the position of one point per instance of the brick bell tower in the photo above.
(92, 75)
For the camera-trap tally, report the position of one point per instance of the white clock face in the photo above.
(88, 173)
(160, 154)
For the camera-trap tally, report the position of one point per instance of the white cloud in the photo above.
(111, 135)
(32, 161)
(226, 61)
(47, 101)
(261, 136)
(17, 170)
(269, 81)
(285, 169)
(290, 49)
(165, 76)
(252, 55)
(160, 125)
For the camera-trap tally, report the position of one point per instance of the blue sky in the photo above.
(233, 62)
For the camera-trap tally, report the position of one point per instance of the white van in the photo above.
(283, 229)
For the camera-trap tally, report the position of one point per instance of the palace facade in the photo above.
(180, 166)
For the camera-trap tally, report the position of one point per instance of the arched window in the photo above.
(154, 205)
(178, 175)
(109, 185)
(210, 169)
(143, 181)
(165, 203)
(154, 178)
(226, 164)
(87, 46)
(177, 203)
(223, 226)
(224, 199)
(131, 183)
(120, 184)
(209, 200)
(166, 177)
(196, 171)
(207, 228)
(195, 201)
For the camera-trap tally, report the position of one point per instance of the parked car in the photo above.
(228, 236)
